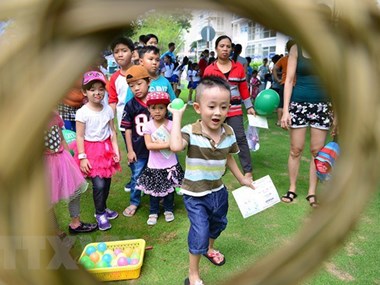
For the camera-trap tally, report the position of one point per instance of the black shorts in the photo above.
(315, 115)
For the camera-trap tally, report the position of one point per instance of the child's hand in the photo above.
(132, 157)
(247, 181)
(85, 166)
(177, 111)
(116, 157)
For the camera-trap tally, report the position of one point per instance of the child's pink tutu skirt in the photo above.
(64, 177)
(101, 158)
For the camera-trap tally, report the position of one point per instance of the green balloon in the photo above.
(177, 103)
(266, 102)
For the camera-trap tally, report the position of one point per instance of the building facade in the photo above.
(257, 41)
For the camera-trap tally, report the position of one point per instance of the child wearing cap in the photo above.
(163, 172)
(97, 151)
(135, 116)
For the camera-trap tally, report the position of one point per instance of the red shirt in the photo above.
(202, 65)
(238, 84)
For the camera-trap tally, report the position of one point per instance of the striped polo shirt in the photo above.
(205, 160)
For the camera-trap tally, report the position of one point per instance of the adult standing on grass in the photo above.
(305, 106)
(234, 73)
(210, 146)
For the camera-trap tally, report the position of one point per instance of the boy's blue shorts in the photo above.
(208, 218)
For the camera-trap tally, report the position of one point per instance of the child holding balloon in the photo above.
(97, 151)
(210, 147)
(163, 172)
(65, 180)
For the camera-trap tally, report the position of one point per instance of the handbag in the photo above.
(252, 135)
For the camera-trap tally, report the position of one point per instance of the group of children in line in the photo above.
(152, 141)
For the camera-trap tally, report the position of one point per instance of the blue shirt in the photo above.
(158, 84)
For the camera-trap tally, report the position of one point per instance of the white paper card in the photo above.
(257, 121)
(163, 135)
(251, 201)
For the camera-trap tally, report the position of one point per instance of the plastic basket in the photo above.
(120, 272)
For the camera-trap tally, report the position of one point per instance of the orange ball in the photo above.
(94, 257)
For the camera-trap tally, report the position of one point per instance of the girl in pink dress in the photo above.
(65, 180)
(163, 172)
(97, 151)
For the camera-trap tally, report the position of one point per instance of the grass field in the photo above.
(245, 240)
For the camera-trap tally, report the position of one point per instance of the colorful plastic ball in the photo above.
(266, 102)
(88, 264)
(177, 103)
(84, 258)
(134, 261)
(102, 246)
(114, 262)
(95, 257)
(117, 251)
(121, 254)
(122, 261)
(107, 258)
(135, 255)
(110, 252)
(102, 264)
(90, 249)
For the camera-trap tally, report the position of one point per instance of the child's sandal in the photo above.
(290, 196)
(312, 199)
(152, 219)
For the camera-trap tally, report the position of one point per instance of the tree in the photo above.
(167, 26)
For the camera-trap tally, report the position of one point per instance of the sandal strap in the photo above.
(315, 202)
(290, 195)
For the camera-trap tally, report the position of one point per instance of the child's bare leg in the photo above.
(211, 245)
(218, 258)
(194, 268)
(75, 222)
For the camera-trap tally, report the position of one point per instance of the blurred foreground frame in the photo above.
(36, 71)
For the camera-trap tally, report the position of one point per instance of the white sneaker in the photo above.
(169, 216)
(152, 219)
(190, 102)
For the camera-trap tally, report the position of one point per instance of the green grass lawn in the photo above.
(245, 240)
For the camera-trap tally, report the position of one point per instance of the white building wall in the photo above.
(238, 29)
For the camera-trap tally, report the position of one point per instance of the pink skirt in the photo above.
(100, 155)
(64, 177)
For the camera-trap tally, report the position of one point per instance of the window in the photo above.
(269, 51)
(266, 33)
(251, 31)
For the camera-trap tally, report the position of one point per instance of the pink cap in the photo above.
(91, 76)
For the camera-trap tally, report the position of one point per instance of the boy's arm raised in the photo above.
(176, 142)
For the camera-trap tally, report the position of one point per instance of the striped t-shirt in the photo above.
(205, 160)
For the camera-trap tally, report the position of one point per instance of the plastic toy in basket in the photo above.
(114, 260)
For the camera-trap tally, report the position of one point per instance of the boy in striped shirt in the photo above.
(210, 147)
